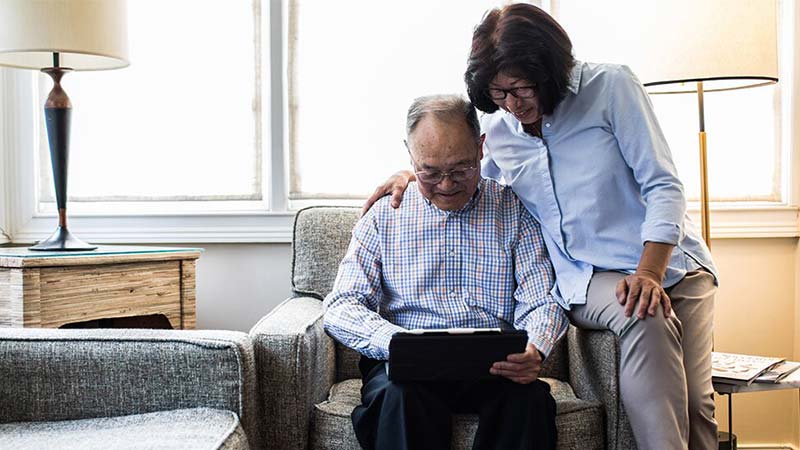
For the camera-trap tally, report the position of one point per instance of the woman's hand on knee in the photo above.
(396, 186)
(645, 290)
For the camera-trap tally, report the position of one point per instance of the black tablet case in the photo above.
(440, 356)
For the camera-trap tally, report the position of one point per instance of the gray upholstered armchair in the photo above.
(311, 384)
(105, 389)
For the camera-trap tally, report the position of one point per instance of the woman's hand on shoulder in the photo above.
(643, 288)
(396, 186)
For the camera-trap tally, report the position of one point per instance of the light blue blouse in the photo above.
(601, 181)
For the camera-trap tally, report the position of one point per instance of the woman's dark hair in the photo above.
(522, 41)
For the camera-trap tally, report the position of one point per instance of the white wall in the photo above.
(237, 284)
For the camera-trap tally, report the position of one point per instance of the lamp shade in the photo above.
(87, 34)
(671, 45)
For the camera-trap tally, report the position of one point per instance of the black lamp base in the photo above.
(62, 240)
(727, 441)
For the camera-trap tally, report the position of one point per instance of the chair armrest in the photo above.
(296, 368)
(54, 374)
(594, 357)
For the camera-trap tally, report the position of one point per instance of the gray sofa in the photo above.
(126, 389)
(311, 384)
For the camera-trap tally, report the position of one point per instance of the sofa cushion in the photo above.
(194, 428)
(579, 422)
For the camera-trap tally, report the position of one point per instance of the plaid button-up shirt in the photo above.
(483, 266)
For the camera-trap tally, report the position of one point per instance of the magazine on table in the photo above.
(779, 372)
(734, 368)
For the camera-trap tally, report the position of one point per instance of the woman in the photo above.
(580, 145)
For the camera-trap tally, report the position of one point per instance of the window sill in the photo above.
(727, 222)
(742, 221)
(165, 228)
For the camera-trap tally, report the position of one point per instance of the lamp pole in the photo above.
(704, 208)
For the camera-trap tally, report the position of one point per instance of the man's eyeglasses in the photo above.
(435, 176)
(432, 177)
(518, 92)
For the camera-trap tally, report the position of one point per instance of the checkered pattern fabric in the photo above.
(483, 266)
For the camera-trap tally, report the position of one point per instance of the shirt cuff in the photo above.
(381, 338)
(661, 231)
(544, 345)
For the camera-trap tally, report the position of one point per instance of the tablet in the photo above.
(454, 354)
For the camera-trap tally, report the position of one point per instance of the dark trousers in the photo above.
(417, 415)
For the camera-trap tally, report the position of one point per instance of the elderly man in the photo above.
(460, 251)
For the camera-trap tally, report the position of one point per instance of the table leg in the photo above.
(730, 417)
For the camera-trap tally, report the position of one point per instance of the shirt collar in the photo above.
(574, 81)
(573, 85)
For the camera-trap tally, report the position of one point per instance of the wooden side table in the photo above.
(51, 289)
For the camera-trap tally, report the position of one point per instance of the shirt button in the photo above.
(453, 293)
(452, 252)
(547, 124)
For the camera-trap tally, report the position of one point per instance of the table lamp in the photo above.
(56, 37)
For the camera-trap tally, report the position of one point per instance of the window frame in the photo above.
(271, 219)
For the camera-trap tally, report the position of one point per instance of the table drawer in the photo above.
(81, 293)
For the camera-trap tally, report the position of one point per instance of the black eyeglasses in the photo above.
(517, 92)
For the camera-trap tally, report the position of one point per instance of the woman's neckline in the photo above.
(533, 129)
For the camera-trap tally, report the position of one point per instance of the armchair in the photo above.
(314, 384)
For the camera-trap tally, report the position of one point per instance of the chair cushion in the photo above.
(579, 422)
(194, 428)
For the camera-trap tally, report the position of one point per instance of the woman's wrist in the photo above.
(654, 260)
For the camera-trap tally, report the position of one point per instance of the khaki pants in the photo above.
(665, 366)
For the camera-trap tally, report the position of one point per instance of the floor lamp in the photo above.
(56, 37)
(713, 45)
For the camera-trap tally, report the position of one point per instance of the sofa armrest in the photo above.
(296, 368)
(594, 357)
(54, 374)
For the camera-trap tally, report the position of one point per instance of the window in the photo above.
(355, 71)
(235, 113)
(182, 146)
(182, 123)
(742, 142)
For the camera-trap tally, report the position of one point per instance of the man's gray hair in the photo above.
(449, 106)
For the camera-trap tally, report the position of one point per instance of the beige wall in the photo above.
(757, 310)
(797, 338)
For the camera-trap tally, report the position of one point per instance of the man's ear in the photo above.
(480, 146)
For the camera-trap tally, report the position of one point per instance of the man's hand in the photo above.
(644, 287)
(395, 185)
(522, 368)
